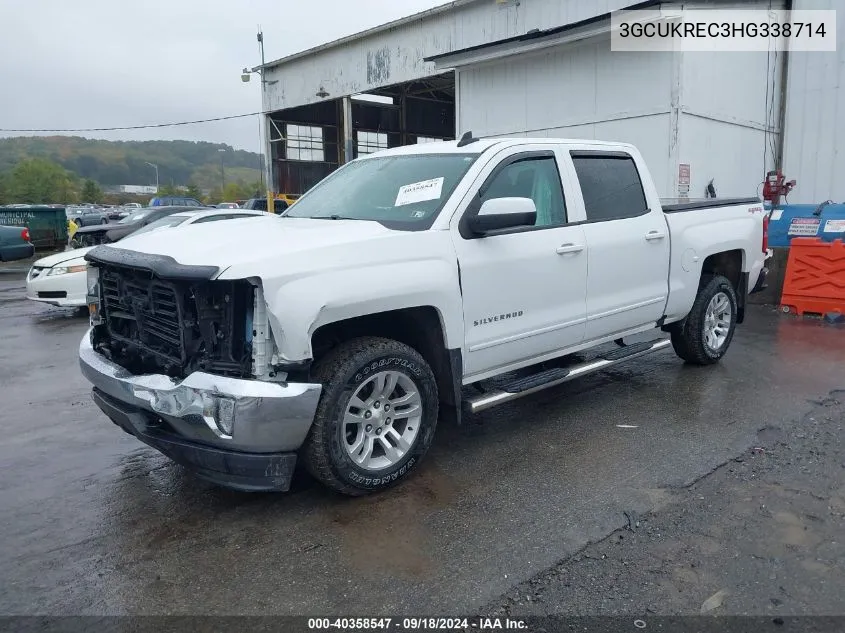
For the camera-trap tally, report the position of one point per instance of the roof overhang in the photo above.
(534, 40)
(416, 17)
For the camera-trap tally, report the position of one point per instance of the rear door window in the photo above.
(610, 185)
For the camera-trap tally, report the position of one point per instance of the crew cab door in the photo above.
(524, 289)
(628, 241)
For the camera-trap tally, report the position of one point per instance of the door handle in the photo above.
(654, 235)
(563, 249)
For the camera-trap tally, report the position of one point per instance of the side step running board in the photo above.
(553, 377)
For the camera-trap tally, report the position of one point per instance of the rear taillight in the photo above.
(765, 233)
(25, 235)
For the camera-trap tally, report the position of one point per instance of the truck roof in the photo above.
(481, 145)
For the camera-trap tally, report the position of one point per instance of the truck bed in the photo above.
(704, 203)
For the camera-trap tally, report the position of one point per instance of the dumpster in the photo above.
(825, 221)
(47, 225)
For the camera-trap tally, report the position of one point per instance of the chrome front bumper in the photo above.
(266, 417)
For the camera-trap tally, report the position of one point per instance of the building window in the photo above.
(304, 143)
(428, 139)
(369, 142)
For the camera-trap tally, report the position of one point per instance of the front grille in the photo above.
(145, 311)
(152, 325)
(52, 294)
(36, 271)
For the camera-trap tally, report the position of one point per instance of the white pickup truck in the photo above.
(339, 333)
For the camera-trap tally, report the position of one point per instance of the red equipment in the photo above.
(774, 187)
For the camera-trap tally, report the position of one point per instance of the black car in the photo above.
(260, 204)
(95, 235)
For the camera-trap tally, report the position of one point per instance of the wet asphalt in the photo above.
(94, 522)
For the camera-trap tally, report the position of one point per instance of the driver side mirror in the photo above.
(503, 213)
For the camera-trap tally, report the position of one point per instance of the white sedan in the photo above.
(60, 279)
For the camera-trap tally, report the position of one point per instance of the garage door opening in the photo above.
(309, 142)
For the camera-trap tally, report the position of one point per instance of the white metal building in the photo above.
(545, 68)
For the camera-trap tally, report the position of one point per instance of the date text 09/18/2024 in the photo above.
(416, 624)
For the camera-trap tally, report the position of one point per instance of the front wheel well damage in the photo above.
(418, 327)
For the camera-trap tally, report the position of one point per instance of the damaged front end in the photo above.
(181, 360)
(155, 321)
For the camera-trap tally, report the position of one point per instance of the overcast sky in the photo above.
(108, 63)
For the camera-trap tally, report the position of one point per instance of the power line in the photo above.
(133, 127)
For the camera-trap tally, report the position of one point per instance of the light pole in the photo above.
(265, 140)
(156, 168)
(222, 172)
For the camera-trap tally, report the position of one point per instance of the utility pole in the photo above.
(268, 162)
(156, 168)
(222, 172)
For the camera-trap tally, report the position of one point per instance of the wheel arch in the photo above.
(419, 327)
(729, 264)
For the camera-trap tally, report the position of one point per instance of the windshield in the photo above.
(170, 220)
(135, 216)
(401, 192)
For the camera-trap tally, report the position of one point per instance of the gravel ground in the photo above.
(763, 535)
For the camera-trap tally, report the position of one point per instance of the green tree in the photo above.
(215, 196)
(193, 191)
(232, 191)
(40, 181)
(168, 190)
(91, 191)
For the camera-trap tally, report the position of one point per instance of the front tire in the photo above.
(704, 336)
(376, 417)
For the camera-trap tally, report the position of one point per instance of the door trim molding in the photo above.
(633, 306)
(517, 337)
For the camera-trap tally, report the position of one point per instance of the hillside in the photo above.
(113, 163)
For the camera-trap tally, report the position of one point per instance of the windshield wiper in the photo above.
(334, 216)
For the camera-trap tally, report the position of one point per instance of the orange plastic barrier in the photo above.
(815, 277)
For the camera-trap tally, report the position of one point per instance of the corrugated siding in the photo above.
(580, 91)
(723, 128)
(395, 55)
(815, 118)
(564, 86)
(731, 155)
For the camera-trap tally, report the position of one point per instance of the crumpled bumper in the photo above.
(239, 433)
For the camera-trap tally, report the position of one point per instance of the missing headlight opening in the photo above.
(152, 325)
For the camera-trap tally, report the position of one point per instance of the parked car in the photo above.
(94, 235)
(116, 214)
(86, 216)
(260, 204)
(60, 279)
(132, 205)
(15, 244)
(227, 205)
(351, 323)
(175, 201)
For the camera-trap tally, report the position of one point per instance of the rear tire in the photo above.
(376, 416)
(704, 336)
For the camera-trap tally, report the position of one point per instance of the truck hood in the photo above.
(257, 243)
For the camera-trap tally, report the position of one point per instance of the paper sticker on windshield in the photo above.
(419, 192)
